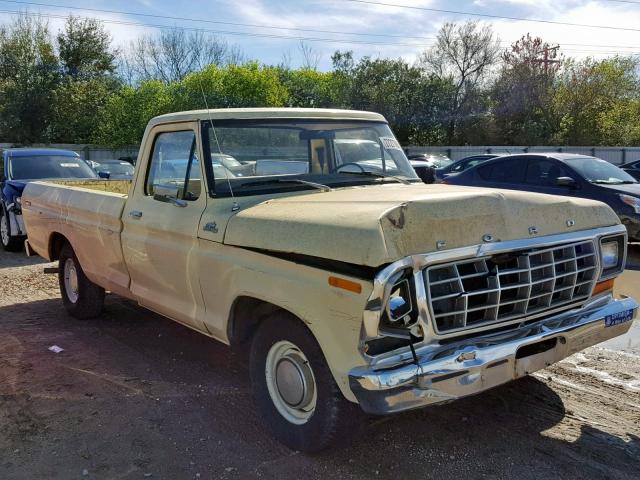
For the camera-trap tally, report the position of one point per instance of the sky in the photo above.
(367, 29)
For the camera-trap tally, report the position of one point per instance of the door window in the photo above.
(507, 171)
(544, 172)
(174, 163)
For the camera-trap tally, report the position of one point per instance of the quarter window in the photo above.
(174, 163)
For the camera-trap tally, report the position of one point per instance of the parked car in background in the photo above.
(114, 169)
(632, 168)
(425, 165)
(19, 166)
(461, 165)
(562, 174)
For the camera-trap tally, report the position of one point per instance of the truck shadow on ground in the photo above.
(18, 259)
(133, 393)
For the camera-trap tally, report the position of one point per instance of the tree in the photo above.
(85, 49)
(522, 95)
(598, 102)
(29, 72)
(127, 113)
(174, 53)
(463, 55)
(415, 104)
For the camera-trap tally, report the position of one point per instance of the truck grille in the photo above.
(500, 288)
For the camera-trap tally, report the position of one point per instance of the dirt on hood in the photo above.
(375, 225)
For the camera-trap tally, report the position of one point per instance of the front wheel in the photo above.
(9, 242)
(294, 389)
(81, 297)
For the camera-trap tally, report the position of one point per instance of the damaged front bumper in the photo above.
(473, 365)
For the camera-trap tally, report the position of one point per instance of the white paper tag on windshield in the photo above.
(70, 165)
(390, 143)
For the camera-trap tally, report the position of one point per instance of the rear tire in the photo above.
(294, 390)
(81, 297)
(9, 243)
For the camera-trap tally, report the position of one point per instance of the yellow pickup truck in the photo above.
(353, 282)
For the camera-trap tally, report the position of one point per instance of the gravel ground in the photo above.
(136, 396)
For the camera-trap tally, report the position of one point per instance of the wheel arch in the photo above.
(247, 313)
(56, 241)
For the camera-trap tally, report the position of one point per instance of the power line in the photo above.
(487, 15)
(217, 22)
(250, 25)
(288, 37)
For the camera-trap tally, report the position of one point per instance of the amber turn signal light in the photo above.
(345, 284)
(603, 286)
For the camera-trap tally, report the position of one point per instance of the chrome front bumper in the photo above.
(474, 365)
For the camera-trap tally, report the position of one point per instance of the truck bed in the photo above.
(88, 213)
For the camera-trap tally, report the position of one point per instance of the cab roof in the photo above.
(267, 113)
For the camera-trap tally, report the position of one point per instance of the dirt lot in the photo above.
(136, 396)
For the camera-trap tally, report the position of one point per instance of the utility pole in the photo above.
(546, 61)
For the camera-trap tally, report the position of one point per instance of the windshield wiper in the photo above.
(378, 175)
(271, 181)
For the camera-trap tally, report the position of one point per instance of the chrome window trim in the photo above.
(376, 304)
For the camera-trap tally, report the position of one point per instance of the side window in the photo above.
(174, 163)
(1, 166)
(507, 171)
(544, 172)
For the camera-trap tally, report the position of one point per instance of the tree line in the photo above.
(75, 87)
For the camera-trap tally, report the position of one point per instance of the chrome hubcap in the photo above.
(4, 230)
(290, 382)
(71, 280)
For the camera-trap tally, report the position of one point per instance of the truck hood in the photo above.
(376, 225)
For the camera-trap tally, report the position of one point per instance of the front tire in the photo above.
(294, 389)
(9, 242)
(81, 297)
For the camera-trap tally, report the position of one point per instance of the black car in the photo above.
(426, 164)
(114, 169)
(562, 174)
(462, 164)
(632, 168)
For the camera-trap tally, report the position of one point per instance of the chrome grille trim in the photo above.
(496, 289)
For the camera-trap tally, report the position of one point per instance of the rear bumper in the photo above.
(475, 365)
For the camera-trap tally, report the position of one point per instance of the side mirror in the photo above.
(566, 182)
(168, 194)
(105, 175)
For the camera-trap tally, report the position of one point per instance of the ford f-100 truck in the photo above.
(351, 280)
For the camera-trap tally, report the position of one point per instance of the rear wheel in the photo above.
(294, 389)
(9, 243)
(81, 297)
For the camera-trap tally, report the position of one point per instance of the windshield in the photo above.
(276, 155)
(48, 166)
(596, 170)
(116, 168)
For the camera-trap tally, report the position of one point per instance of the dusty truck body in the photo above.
(354, 283)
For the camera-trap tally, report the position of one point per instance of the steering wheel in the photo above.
(337, 169)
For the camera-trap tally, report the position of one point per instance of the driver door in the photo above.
(160, 234)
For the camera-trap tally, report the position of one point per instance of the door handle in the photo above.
(135, 213)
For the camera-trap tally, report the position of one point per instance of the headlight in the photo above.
(400, 305)
(609, 254)
(633, 202)
(400, 313)
(19, 200)
(612, 253)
